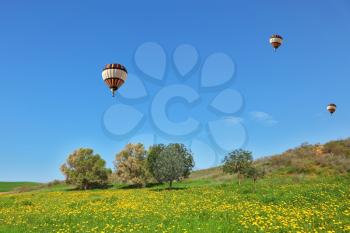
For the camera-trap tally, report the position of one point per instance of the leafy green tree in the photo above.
(85, 169)
(187, 156)
(153, 154)
(130, 165)
(236, 162)
(174, 162)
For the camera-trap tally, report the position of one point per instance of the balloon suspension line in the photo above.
(113, 95)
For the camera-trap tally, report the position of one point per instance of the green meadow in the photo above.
(277, 204)
(306, 189)
(12, 186)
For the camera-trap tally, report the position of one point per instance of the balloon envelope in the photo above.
(331, 108)
(114, 75)
(276, 41)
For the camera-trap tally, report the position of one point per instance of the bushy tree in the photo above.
(236, 162)
(130, 165)
(187, 156)
(153, 154)
(85, 169)
(174, 162)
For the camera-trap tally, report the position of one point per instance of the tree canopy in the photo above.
(237, 161)
(85, 169)
(130, 165)
(153, 154)
(174, 162)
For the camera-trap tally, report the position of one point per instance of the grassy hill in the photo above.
(196, 205)
(332, 158)
(306, 190)
(15, 186)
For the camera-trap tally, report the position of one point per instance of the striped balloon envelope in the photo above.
(331, 108)
(276, 41)
(114, 75)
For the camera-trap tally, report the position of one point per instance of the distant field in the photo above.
(11, 186)
(280, 204)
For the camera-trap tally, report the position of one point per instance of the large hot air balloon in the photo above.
(276, 41)
(331, 108)
(114, 75)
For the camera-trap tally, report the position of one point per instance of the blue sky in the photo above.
(53, 100)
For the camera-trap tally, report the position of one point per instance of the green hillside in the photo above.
(305, 189)
(332, 158)
(15, 186)
(279, 204)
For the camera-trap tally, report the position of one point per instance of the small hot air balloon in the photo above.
(114, 75)
(331, 108)
(276, 41)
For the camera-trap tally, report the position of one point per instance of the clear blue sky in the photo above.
(52, 97)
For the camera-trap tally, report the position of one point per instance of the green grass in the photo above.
(306, 189)
(12, 186)
(279, 204)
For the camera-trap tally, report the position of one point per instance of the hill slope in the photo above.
(206, 202)
(332, 158)
(276, 205)
(12, 186)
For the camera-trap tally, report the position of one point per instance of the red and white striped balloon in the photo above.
(331, 108)
(276, 41)
(114, 75)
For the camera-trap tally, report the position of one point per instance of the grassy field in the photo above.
(11, 186)
(284, 204)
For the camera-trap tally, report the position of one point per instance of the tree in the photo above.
(152, 156)
(174, 162)
(130, 165)
(85, 169)
(188, 158)
(254, 173)
(236, 162)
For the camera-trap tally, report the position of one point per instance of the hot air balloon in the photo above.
(331, 108)
(114, 75)
(276, 41)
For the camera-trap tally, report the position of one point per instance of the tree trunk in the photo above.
(170, 184)
(239, 179)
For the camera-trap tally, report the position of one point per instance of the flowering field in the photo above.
(322, 205)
